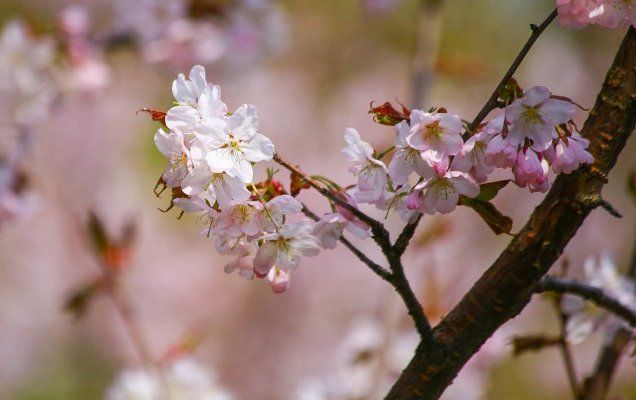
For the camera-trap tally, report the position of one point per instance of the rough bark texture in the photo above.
(507, 286)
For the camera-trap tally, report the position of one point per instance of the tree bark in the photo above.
(507, 286)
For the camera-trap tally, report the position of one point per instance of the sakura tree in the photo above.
(438, 161)
(251, 200)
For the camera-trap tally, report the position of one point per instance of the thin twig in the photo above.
(566, 353)
(491, 103)
(380, 234)
(590, 293)
(405, 237)
(122, 305)
(380, 271)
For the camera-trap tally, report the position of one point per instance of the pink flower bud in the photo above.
(278, 279)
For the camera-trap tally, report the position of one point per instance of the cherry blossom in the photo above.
(184, 379)
(275, 211)
(372, 173)
(238, 219)
(615, 13)
(441, 192)
(583, 317)
(330, 227)
(535, 115)
(576, 13)
(278, 279)
(198, 102)
(473, 157)
(570, 153)
(284, 247)
(397, 202)
(435, 135)
(530, 170)
(237, 144)
(173, 147)
(406, 159)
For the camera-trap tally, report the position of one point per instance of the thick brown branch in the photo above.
(590, 293)
(507, 286)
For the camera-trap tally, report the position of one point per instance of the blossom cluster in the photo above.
(584, 318)
(196, 32)
(372, 355)
(184, 379)
(534, 132)
(211, 156)
(606, 13)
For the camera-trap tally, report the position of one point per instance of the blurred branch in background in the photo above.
(426, 45)
(596, 386)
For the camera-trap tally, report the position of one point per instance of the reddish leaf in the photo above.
(387, 114)
(297, 184)
(156, 115)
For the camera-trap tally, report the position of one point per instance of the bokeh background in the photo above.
(312, 73)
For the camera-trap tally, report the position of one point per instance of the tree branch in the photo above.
(507, 286)
(491, 103)
(381, 272)
(380, 233)
(405, 237)
(597, 385)
(590, 293)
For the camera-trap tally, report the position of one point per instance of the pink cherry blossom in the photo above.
(472, 158)
(535, 115)
(531, 171)
(243, 265)
(275, 211)
(436, 135)
(441, 192)
(615, 13)
(239, 219)
(284, 247)
(372, 173)
(576, 13)
(330, 227)
(570, 154)
(279, 280)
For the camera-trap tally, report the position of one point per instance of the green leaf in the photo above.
(489, 190)
(498, 222)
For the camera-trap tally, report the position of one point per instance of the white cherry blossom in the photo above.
(172, 146)
(371, 173)
(237, 144)
(406, 159)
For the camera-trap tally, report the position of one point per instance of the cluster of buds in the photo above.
(211, 157)
(606, 13)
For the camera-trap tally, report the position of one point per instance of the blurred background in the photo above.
(311, 68)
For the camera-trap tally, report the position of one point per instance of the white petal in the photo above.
(265, 258)
(243, 169)
(182, 117)
(210, 104)
(243, 123)
(197, 77)
(285, 204)
(258, 148)
(536, 95)
(220, 160)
